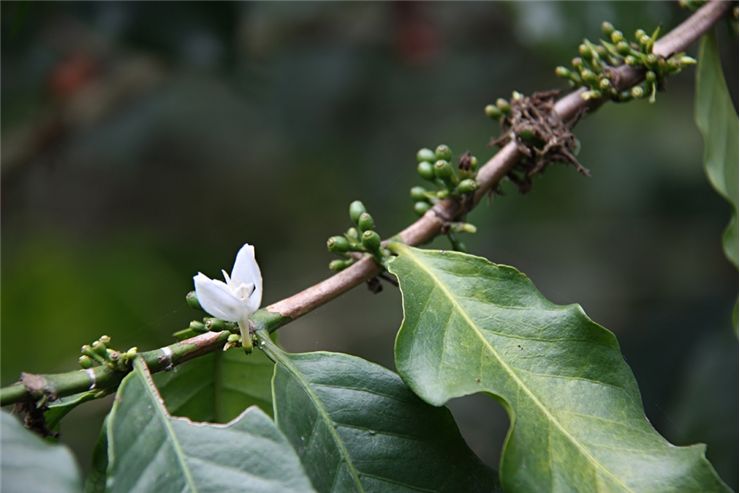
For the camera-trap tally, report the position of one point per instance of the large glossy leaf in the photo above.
(577, 422)
(357, 427)
(149, 450)
(717, 121)
(30, 463)
(217, 387)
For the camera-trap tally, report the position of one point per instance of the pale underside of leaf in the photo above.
(217, 387)
(357, 427)
(577, 420)
(149, 450)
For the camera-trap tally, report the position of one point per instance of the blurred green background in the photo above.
(143, 142)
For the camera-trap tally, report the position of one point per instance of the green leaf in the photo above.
(149, 450)
(577, 422)
(59, 408)
(30, 463)
(717, 121)
(96, 478)
(217, 387)
(357, 427)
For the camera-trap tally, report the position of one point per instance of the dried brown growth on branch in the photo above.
(542, 137)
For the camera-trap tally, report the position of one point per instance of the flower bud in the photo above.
(492, 111)
(604, 84)
(131, 353)
(588, 75)
(99, 348)
(639, 34)
(623, 48)
(467, 186)
(686, 60)
(192, 300)
(104, 339)
(338, 243)
(515, 96)
(419, 193)
(651, 60)
(650, 76)
(577, 63)
(214, 324)
(637, 92)
(422, 207)
(366, 222)
(355, 209)
(85, 362)
(646, 41)
(425, 155)
(443, 170)
(616, 36)
(371, 240)
(443, 152)
(630, 60)
(464, 228)
(607, 28)
(503, 105)
(562, 72)
(233, 338)
(197, 326)
(584, 51)
(425, 170)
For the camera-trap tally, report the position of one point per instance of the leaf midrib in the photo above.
(287, 363)
(440, 285)
(168, 427)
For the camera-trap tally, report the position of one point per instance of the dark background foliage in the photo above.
(143, 142)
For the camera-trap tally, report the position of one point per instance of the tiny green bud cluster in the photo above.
(594, 67)
(360, 238)
(99, 354)
(436, 166)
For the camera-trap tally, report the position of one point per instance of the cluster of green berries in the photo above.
(98, 353)
(361, 238)
(436, 167)
(594, 67)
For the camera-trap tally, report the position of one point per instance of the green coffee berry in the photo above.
(443, 170)
(650, 76)
(338, 243)
(85, 362)
(340, 265)
(425, 154)
(467, 186)
(492, 111)
(623, 48)
(419, 193)
(607, 28)
(425, 170)
(371, 240)
(215, 324)
(366, 222)
(355, 209)
(443, 152)
(352, 234)
(422, 207)
(616, 36)
(197, 326)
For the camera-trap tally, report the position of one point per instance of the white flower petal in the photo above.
(217, 299)
(226, 276)
(246, 271)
